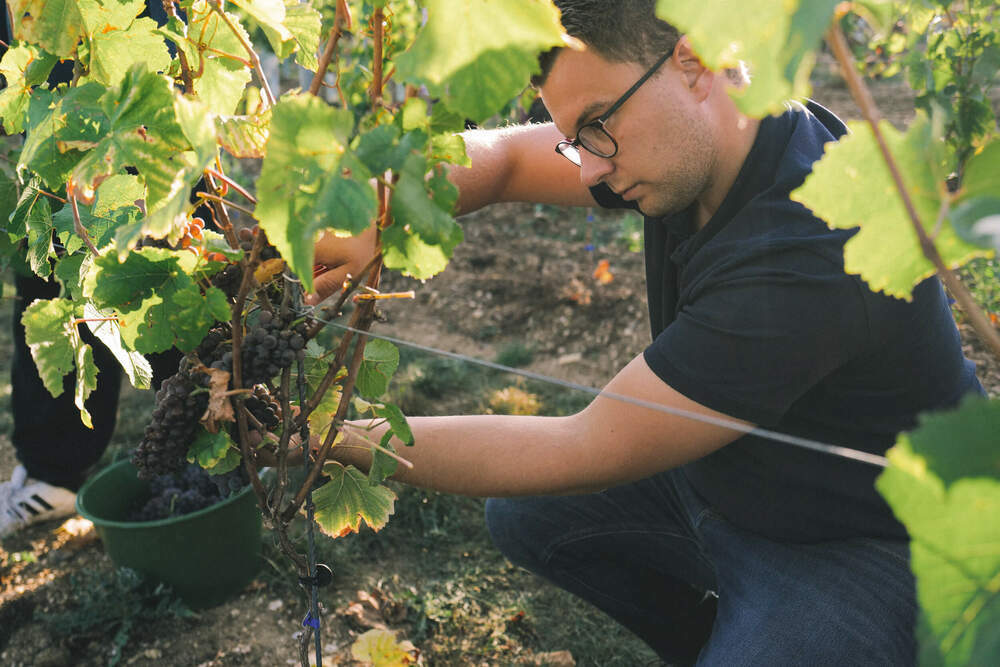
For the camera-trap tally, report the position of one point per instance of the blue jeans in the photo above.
(655, 557)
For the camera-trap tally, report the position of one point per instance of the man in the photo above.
(738, 549)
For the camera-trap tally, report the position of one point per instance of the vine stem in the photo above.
(78, 226)
(341, 22)
(863, 98)
(217, 198)
(170, 8)
(216, 7)
(241, 420)
(233, 184)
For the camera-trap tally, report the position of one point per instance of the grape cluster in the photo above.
(169, 433)
(185, 491)
(246, 237)
(270, 347)
(228, 280)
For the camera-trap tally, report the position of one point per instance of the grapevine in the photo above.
(190, 106)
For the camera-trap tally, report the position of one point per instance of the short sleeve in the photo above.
(752, 337)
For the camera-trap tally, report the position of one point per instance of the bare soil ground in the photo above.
(524, 279)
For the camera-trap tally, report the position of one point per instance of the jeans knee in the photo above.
(510, 528)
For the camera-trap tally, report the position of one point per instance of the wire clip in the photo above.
(324, 575)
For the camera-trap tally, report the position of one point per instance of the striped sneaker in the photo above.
(24, 501)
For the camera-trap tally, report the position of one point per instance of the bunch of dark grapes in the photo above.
(265, 411)
(185, 491)
(168, 435)
(228, 280)
(271, 346)
(246, 237)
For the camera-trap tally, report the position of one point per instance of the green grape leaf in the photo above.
(124, 285)
(114, 207)
(304, 23)
(976, 214)
(982, 172)
(885, 252)
(228, 463)
(348, 499)
(409, 254)
(115, 49)
(222, 83)
(56, 128)
(210, 449)
(383, 466)
(777, 40)
(411, 206)
(943, 483)
(216, 52)
(380, 361)
(38, 224)
(156, 297)
(86, 381)
(106, 329)
(23, 67)
(396, 420)
(244, 136)
(54, 25)
(270, 14)
(143, 133)
(977, 220)
(67, 272)
(49, 333)
(306, 141)
(479, 54)
(450, 148)
(316, 368)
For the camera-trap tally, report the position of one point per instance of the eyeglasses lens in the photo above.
(570, 152)
(596, 140)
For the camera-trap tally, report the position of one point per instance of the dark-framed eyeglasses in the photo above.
(594, 136)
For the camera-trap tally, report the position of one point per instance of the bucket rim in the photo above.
(157, 523)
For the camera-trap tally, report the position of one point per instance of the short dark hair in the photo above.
(619, 30)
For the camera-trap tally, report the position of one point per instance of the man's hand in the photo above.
(337, 258)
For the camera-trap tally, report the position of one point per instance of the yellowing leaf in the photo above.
(268, 269)
(348, 499)
(380, 648)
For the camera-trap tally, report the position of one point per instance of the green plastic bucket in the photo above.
(206, 556)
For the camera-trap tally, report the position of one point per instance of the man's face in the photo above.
(665, 144)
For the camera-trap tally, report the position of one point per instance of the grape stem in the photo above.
(217, 198)
(78, 226)
(233, 184)
(863, 98)
(170, 9)
(265, 86)
(237, 329)
(341, 23)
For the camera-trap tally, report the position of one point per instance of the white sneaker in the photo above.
(24, 501)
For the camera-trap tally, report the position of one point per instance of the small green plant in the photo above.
(515, 354)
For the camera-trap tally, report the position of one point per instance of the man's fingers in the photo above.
(327, 283)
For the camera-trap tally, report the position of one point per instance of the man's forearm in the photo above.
(481, 455)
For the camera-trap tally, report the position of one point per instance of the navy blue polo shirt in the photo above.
(753, 316)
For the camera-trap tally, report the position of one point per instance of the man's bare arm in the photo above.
(610, 442)
(517, 163)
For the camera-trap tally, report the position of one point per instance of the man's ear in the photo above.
(698, 77)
